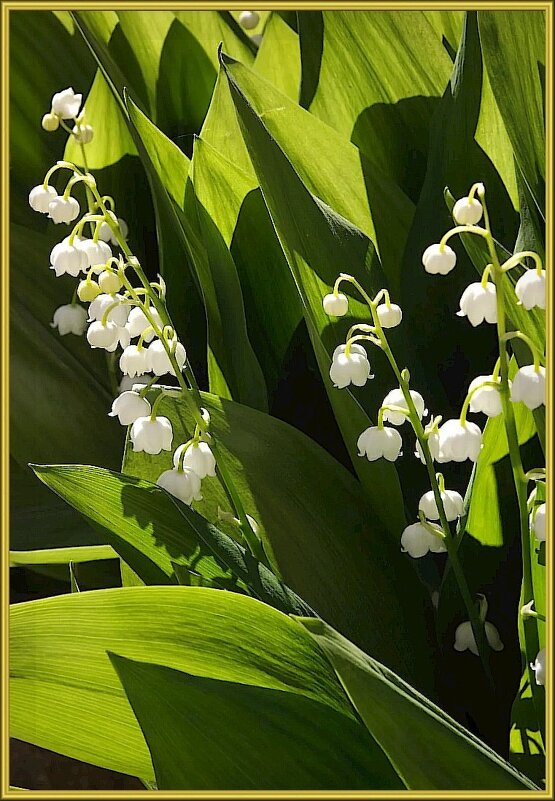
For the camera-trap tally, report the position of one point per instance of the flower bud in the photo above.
(351, 369)
(182, 484)
(248, 20)
(389, 316)
(486, 399)
(159, 361)
(452, 505)
(417, 541)
(40, 198)
(83, 134)
(67, 259)
(467, 211)
(530, 289)
(102, 302)
(537, 522)
(377, 443)
(106, 232)
(70, 319)
(137, 323)
(63, 211)
(465, 640)
(458, 441)
(87, 291)
(50, 122)
(539, 667)
(438, 261)
(129, 406)
(109, 282)
(97, 253)
(336, 305)
(396, 398)
(479, 303)
(103, 336)
(198, 457)
(133, 361)
(66, 104)
(152, 436)
(528, 386)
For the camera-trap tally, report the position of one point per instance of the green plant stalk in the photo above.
(529, 627)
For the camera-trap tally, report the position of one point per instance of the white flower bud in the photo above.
(66, 104)
(486, 399)
(389, 316)
(465, 640)
(467, 212)
(336, 305)
(137, 323)
(66, 258)
(103, 336)
(159, 361)
(50, 122)
(249, 20)
(458, 442)
(537, 522)
(396, 398)
(70, 319)
(417, 541)
(101, 303)
(198, 458)
(479, 303)
(40, 198)
(97, 253)
(182, 484)
(257, 39)
(133, 361)
(530, 289)
(127, 383)
(87, 291)
(433, 447)
(63, 211)
(377, 443)
(351, 369)
(109, 282)
(539, 667)
(129, 406)
(83, 134)
(452, 504)
(152, 436)
(528, 386)
(437, 261)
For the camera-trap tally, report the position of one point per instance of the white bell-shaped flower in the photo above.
(182, 484)
(103, 336)
(465, 640)
(97, 253)
(129, 406)
(479, 303)
(83, 134)
(438, 260)
(396, 398)
(537, 522)
(127, 383)
(198, 457)
(66, 104)
(67, 259)
(528, 386)
(417, 541)
(248, 20)
(117, 315)
(336, 305)
(70, 319)
(351, 369)
(485, 399)
(61, 210)
(380, 443)
(122, 339)
(389, 315)
(41, 197)
(539, 667)
(158, 360)
(109, 282)
(452, 504)
(458, 441)
(134, 361)
(152, 436)
(433, 446)
(108, 235)
(137, 323)
(530, 289)
(467, 211)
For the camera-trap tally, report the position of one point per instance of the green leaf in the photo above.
(183, 714)
(314, 523)
(58, 658)
(62, 556)
(279, 58)
(428, 749)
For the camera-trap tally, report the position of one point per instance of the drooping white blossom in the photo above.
(102, 302)
(528, 386)
(70, 319)
(67, 258)
(459, 441)
(433, 447)
(465, 640)
(198, 457)
(159, 361)
(438, 260)
(485, 399)
(389, 315)
(103, 336)
(452, 504)
(336, 305)
(97, 253)
(40, 198)
(539, 667)
(105, 232)
(182, 484)
(152, 436)
(66, 104)
(467, 211)
(137, 323)
(61, 210)
(396, 398)
(380, 443)
(249, 20)
(479, 303)
(134, 361)
(537, 522)
(417, 541)
(129, 406)
(350, 369)
(83, 133)
(530, 289)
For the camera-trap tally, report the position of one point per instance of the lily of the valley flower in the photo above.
(66, 104)
(539, 667)
(105, 233)
(249, 20)
(83, 134)
(351, 368)
(389, 315)
(134, 361)
(129, 406)
(459, 441)
(336, 305)
(529, 386)
(417, 541)
(87, 291)
(152, 436)
(198, 457)
(97, 253)
(537, 522)
(530, 289)
(61, 210)
(433, 447)
(159, 362)
(137, 324)
(102, 303)
(438, 260)
(479, 303)
(396, 398)
(50, 122)
(465, 640)
(380, 443)
(103, 336)
(70, 319)
(486, 399)
(182, 484)
(40, 198)
(452, 503)
(467, 211)
(109, 282)
(68, 259)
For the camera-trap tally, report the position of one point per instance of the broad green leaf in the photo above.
(315, 525)
(58, 657)
(428, 749)
(183, 714)
(62, 556)
(279, 58)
